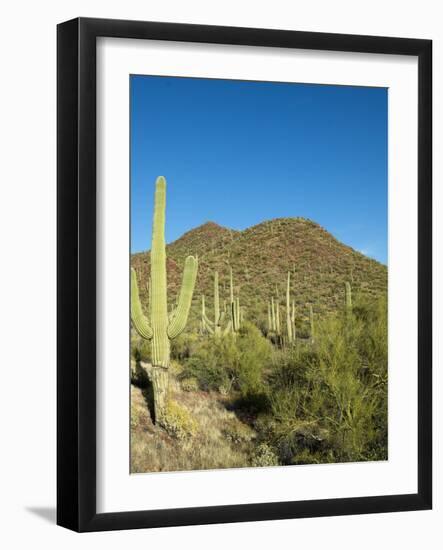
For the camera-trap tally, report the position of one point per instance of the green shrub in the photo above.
(207, 363)
(178, 422)
(141, 350)
(328, 401)
(232, 362)
(189, 384)
(183, 346)
(264, 456)
(237, 432)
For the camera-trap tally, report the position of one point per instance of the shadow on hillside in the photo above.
(141, 379)
(246, 409)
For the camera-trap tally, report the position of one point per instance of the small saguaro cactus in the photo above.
(277, 319)
(215, 327)
(235, 306)
(270, 325)
(274, 316)
(274, 323)
(160, 328)
(348, 297)
(288, 309)
(311, 322)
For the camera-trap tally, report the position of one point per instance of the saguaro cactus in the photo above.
(311, 322)
(270, 325)
(215, 327)
(277, 319)
(274, 322)
(348, 297)
(235, 306)
(288, 309)
(160, 329)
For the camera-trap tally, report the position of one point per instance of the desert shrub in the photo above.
(183, 346)
(141, 349)
(178, 421)
(328, 401)
(254, 355)
(231, 362)
(189, 384)
(264, 455)
(237, 432)
(352, 349)
(207, 363)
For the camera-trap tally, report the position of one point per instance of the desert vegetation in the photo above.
(274, 354)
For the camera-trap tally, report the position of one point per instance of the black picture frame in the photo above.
(76, 279)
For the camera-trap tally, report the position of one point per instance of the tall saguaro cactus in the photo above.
(160, 329)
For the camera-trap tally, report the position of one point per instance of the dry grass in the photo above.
(220, 439)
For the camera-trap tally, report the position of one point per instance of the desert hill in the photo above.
(260, 257)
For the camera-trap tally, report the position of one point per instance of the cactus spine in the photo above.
(160, 329)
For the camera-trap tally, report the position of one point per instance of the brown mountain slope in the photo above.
(261, 257)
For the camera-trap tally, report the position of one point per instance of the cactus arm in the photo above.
(235, 307)
(228, 328)
(139, 320)
(269, 318)
(207, 321)
(233, 317)
(184, 303)
(171, 314)
(277, 319)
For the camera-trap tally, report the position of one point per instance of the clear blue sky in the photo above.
(238, 153)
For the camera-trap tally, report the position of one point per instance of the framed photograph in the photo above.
(244, 274)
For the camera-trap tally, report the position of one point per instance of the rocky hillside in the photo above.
(261, 257)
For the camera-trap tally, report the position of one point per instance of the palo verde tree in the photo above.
(160, 328)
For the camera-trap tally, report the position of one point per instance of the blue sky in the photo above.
(238, 153)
